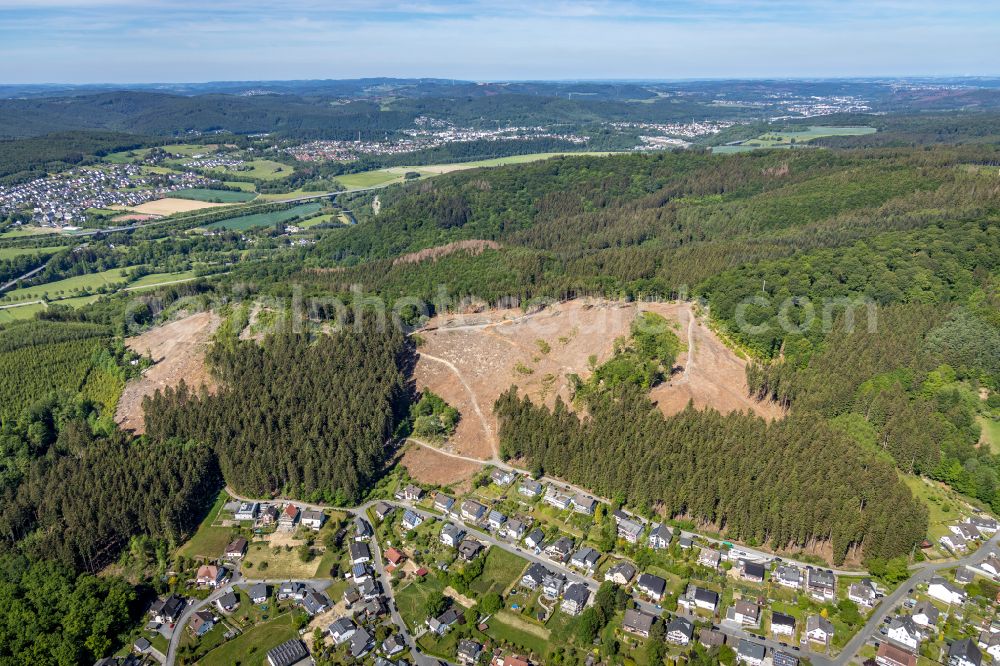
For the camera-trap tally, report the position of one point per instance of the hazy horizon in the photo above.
(123, 42)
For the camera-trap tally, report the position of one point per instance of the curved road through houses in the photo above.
(922, 573)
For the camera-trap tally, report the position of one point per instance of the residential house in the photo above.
(660, 536)
(412, 493)
(964, 653)
(621, 573)
(575, 599)
(443, 622)
(362, 530)
(990, 642)
(360, 553)
(586, 559)
(711, 638)
(991, 565)
(291, 590)
(289, 517)
(680, 631)
(247, 511)
(964, 575)
(468, 651)
(750, 653)
(984, 523)
(821, 584)
(393, 645)
(819, 629)
(313, 519)
(942, 590)
(530, 488)
(360, 572)
(381, 510)
(780, 658)
(752, 571)
(560, 549)
(469, 548)
(288, 653)
(341, 630)
(583, 504)
(394, 557)
(514, 529)
(268, 514)
(210, 575)
(552, 584)
(258, 593)
(361, 643)
(315, 602)
(201, 623)
(744, 612)
(411, 519)
(788, 575)
(502, 477)
(703, 598)
(495, 520)
(236, 549)
(557, 499)
(368, 589)
(709, 558)
(903, 631)
(535, 539)
(954, 542)
(651, 586)
(452, 535)
(533, 577)
(142, 645)
(925, 614)
(782, 624)
(473, 511)
(968, 531)
(685, 543)
(863, 593)
(629, 530)
(638, 623)
(890, 655)
(443, 503)
(228, 602)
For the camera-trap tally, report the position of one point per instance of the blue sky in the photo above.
(121, 41)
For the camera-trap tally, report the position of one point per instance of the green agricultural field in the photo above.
(251, 647)
(259, 169)
(245, 187)
(315, 221)
(11, 252)
(215, 196)
(188, 149)
(25, 231)
(69, 287)
(791, 139)
(156, 279)
(267, 219)
(368, 179)
(78, 301)
(512, 628)
(395, 174)
(20, 312)
(285, 196)
(500, 570)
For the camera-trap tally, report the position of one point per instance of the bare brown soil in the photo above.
(178, 352)
(170, 205)
(469, 359)
(713, 377)
(435, 253)
(428, 466)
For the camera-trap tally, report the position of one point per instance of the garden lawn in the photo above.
(251, 647)
(499, 571)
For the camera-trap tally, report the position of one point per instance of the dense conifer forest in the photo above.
(296, 417)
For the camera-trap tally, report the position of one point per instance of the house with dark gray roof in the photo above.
(288, 653)
(575, 599)
(680, 631)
